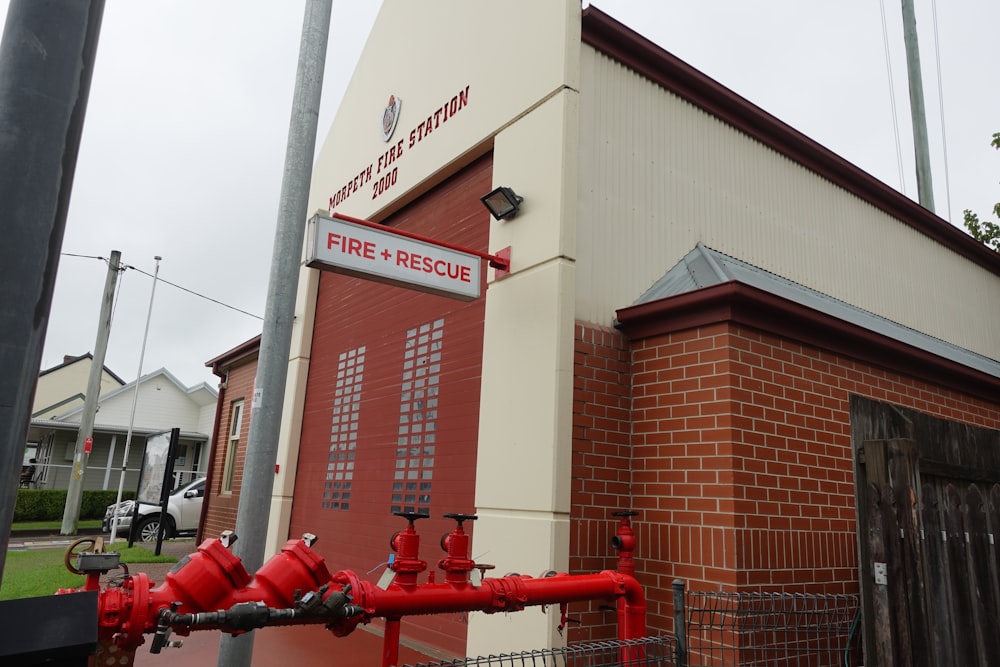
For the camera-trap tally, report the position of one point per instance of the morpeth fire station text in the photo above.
(378, 174)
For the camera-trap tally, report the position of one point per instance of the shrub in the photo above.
(49, 504)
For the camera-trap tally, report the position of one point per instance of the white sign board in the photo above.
(364, 252)
(154, 468)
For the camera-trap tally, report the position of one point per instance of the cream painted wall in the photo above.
(58, 385)
(206, 419)
(287, 455)
(647, 197)
(425, 53)
(289, 432)
(522, 96)
(526, 401)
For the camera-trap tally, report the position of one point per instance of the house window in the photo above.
(235, 423)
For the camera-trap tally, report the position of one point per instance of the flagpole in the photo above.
(135, 399)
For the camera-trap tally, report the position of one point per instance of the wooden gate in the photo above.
(928, 515)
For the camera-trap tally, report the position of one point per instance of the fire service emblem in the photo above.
(390, 116)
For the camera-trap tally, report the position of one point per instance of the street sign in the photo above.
(385, 256)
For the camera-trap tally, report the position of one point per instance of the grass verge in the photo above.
(40, 572)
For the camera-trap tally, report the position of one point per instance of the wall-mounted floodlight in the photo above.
(502, 203)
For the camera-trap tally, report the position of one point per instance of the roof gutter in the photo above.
(738, 303)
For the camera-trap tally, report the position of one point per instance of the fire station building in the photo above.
(700, 304)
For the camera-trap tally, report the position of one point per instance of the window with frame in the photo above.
(233, 445)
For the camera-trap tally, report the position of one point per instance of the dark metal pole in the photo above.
(279, 312)
(925, 186)
(680, 627)
(46, 64)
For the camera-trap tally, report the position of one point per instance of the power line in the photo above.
(184, 289)
(189, 291)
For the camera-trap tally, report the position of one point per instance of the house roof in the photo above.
(202, 393)
(646, 58)
(229, 358)
(707, 286)
(69, 361)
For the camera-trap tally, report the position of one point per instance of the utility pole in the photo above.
(84, 437)
(279, 312)
(925, 188)
(46, 65)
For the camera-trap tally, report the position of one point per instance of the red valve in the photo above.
(406, 543)
(624, 542)
(457, 565)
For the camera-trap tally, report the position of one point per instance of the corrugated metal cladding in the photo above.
(659, 175)
(392, 405)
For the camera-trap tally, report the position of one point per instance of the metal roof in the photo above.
(705, 267)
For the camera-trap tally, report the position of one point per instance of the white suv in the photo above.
(183, 514)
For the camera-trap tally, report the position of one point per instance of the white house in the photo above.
(162, 403)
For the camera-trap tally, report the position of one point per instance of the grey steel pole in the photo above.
(279, 312)
(925, 186)
(135, 400)
(71, 510)
(46, 64)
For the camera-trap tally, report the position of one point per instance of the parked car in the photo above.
(183, 514)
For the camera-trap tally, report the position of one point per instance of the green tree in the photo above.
(983, 230)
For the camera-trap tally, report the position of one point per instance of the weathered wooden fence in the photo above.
(936, 587)
(929, 519)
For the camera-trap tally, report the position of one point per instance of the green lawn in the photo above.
(41, 572)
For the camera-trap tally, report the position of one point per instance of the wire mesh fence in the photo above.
(769, 629)
(646, 652)
(718, 630)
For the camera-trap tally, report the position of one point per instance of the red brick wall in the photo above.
(221, 512)
(601, 462)
(740, 463)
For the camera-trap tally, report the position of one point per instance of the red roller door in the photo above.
(392, 405)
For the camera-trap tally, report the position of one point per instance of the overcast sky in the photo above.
(184, 141)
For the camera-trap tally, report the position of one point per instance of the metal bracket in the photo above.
(881, 574)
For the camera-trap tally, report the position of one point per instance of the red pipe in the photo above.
(495, 261)
(390, 643)
(505, 594)
(211, 589)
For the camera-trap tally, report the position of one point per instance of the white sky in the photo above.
(184, 142)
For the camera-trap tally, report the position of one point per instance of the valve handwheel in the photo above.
(412, 516)
(96, 543)
(461, 517)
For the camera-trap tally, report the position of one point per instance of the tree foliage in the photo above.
(985, 231)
